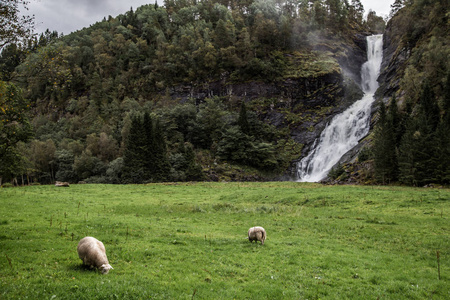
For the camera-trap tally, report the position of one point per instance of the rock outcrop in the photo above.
(393, 64)
(303, 104)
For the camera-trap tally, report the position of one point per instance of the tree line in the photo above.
(87, 90)
(413, 146)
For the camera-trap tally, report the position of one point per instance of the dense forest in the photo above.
(114, 103)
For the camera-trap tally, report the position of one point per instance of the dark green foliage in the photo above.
(428, 109)
(184, 165)
(149, 150)
(179, 122)
(146, 50)
(209, 123)
(243, 120)
(375, 23)
(396, 121)
(396, 6)
(443, 153)
(443, 134)
(234, 145)
(412, 147)
(10, 57)
(64, 164)
(87, 166)
(336, 171)
(114, 171)
(365, 154)
(385, 148)
(14, 128)
(161, 162)
(11, 165)
(262, 156)
(446, 100)
(420, 128)
(134, 155)
(145, 158)
(194, 170)
(239, 147)
(14, 124)
(419, 151)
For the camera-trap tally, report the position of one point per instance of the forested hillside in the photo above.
(227, 87)
(225, 90)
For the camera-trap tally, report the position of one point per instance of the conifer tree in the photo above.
(193, 169)
(396, 121)
(407, 154)
(446, 100)
(429, 108)
(443, 134)
(133, 158)
(243, 119)
(149, 147)
(396, 6)
(161, 161)
(419, 151)
(443, 152)
(384, 148)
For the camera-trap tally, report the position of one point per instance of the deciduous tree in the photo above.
(14, 26)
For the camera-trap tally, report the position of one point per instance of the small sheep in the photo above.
(257, 234)
(92, 252)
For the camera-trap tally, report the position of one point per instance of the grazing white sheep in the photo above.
(92, 252)
(257, 233)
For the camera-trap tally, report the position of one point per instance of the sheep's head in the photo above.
(105, 268)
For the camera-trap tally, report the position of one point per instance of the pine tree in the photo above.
(419, 150)
(193, 169)
(407, 154)
(443, 135)
(243, 119)
(443, 151)
(149, 147)
(145, 156)
(395, 7)
(446, 100)
(162, 166)
(133, 158)
(396, 120)
(384, 148)
(429, 108)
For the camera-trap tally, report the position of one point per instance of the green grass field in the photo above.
(187, 241)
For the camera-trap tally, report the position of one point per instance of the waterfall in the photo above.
(346, 129)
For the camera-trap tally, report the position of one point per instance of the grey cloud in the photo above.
(66, 16)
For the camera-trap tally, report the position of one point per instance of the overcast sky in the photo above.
(66, 16)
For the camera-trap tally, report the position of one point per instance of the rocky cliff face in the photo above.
(304, 105)
(393, 64)
(287, 91)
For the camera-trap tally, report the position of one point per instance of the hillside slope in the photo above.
(194, 67)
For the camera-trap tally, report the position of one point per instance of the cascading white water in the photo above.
(346, 129)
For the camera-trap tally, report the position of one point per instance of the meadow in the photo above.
(188, 241)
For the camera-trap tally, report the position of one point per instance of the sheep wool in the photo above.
(257, 233)
(93, 254)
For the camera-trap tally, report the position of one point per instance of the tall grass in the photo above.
(187, 241)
